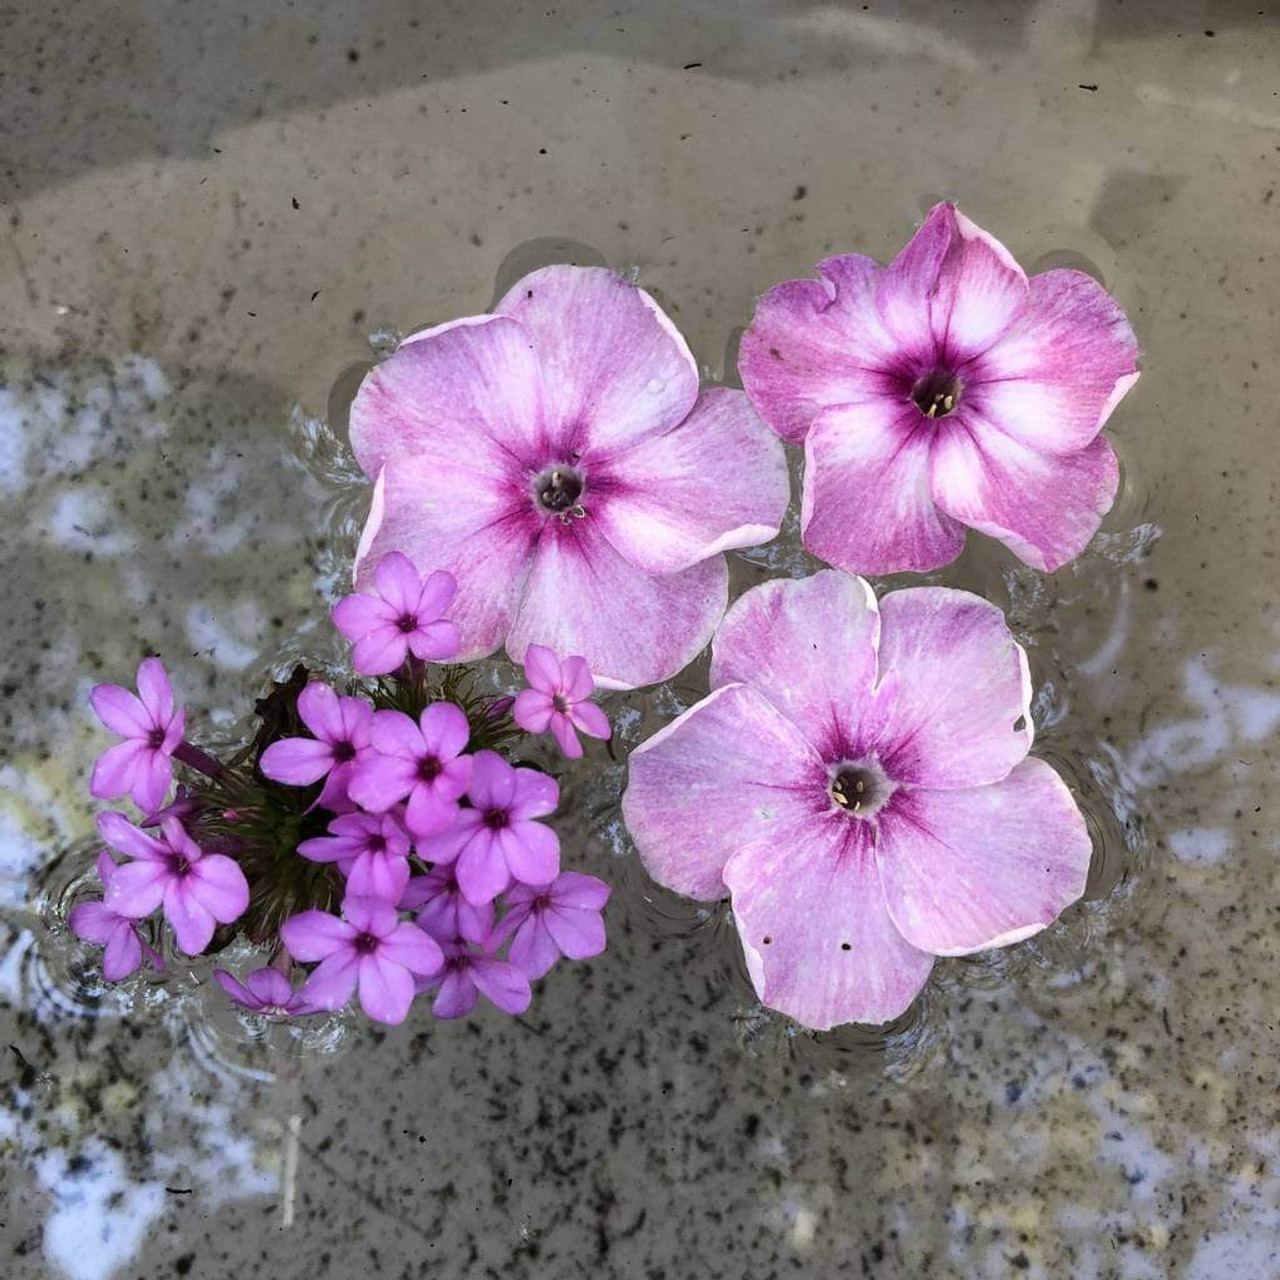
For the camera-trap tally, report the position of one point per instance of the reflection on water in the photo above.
(131, 1104)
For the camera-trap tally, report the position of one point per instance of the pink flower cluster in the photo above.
(402, 795)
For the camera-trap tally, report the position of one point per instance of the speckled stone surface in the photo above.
(208, 210)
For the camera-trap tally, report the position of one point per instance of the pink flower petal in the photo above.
(579, 934)
(436, 641)
(151, 781)
(818, 941)
(502, 984)
(982, 867)
(154, 690)
(536, 794)
(716, 482)
(573, 889)
(614, 368)
(493, 781)
(192, 922)
(436, 595)
(116, 768)
(817, 343)
(531, 711)
(906, 287)
(591, 720)
(93, 921)
(123, 953)
(730, 770)
(468, 390)
(867, 505)
(633, 629)
(533, 951)
(542, 669)
(532, 852)
(270, 986)
(386, 990)
(809, 646)
(380, 652)
(320, 712)
(566, 737)
(482, 870)
(467, 512)
(297, 761)
(980, 291)
(1044, 508)
(445, 847)
(1052, 381)
(121, 711)
(383, 780)
(576, 675)
(332, 981)
(457, 995)
(137, 888)
(236, 989)
(355, 720)
(427, 814)
(370, 915)
(398, 582)
(220, 886)
(357, 615)
(395, 734)
(445, 730)
(963, 686)
(313, 935)
(375, 875)
(123, 836)
(411, 948)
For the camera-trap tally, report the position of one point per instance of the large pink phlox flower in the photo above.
(858, 784)
(557, 458)
(945, 391)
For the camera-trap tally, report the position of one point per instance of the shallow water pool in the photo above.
(216, 218)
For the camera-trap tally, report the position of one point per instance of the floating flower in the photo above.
(372, 851)
(341, 743)
(559, 699)
(557, 458)
(468, 972)
(197, 890)
(118, 934)
(942, 391)
(552, 920)
(498, 838)
(405, 616)
(370, 948)
(141, 765)
(858, 783)
(266, 991)
(442, 909)
(421, 762)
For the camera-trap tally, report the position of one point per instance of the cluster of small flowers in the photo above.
(430, 853)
